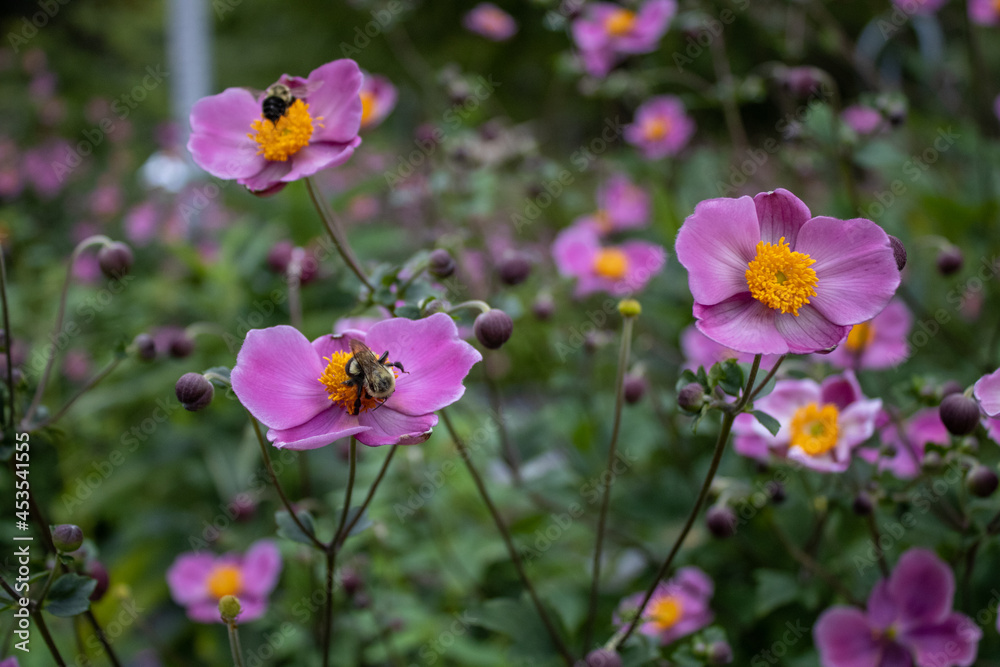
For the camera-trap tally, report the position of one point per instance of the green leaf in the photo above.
(363, 523)
(70, 595)
(408, 311)
(728, 374)
(767, 421)
(774, 589)
(288, 529)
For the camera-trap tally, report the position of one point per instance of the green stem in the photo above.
(47, 637)
(511, 549)
(767, 378)
(729, 416)
(328, 607)
(234, 645)
(368, 498)
(9, 419)
(93, 382)
(353, 463)
(336, 232)
(873, 528)
(101, 637)
(331, 554)
(623, 356)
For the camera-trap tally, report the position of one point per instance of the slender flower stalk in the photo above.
(623, 357)
(293, 277)
(332, 224)
(234, 644)
(9, 418)
(47, 637)
(728, 417)
(93, 382)
(505, 534)
(371, 493)
(60, 315)
(101, 637)
(332, 550)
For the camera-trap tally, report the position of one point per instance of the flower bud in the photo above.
(949, 260)
(635, 388)
(981, 481)
(194, 391)
(66, 537)
(180, 345)
(229, 608)
(115, 259)
(493, 328)
(898, 251)
(543, 307)
(721, 520)
(863, 504)
(279, 256)
(515, 267)
(801, 81)
(95, 570)
(691, 397)
(602, 657)
(629, 308)
(351, 580)
(441, 264)
(959, 413)
(145, 347)
(720, 653)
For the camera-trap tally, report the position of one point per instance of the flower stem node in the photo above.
(194, 391)
(145, 347)
(629, 308)
(115, 260)
(66, 537)
(602, 657)
(493, 328)
(898, 251)
(441, 264)
(721, 520)
(960, 414)
(691, 397)
(981, 481)
(229, 608)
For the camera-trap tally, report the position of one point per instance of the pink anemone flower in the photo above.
(876, 344)
(378, 99)
(607, 31)
(821, 424)
(909, 621)
(621, 204)
(769, 278)
(661, 127)
(902, 453)
(232, 139)
(984, 12)
(618, 270)
(296, 388)
(198, 580)
(677, 608)
(491, 22)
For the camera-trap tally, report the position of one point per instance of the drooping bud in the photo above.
(180, 345)
(194, 391)
(515, 267)
(691, 397)
(959, 413)
(635, 388)
(898, 251)
(863, 504)
(981, 481)
(441, 264)
(950, 260)
(115, 259)
(721, 520)
(145, 347)
(229, 608)
(66, 537)
(493, 328)
(602, 657)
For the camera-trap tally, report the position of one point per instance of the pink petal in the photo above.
(808, 331)
(574, 250)
(842, 390)
(260, 569)
(277, 377)
(855, 268)
(326, 346)
(781, 214)
(857, 423)
(844, 639)
(954, 641)
(882, 609)
(187, 575)
(318, 156)
(388, 427)
(252, 610)
(923, 587)
(206, 611)
(987, 392)
(741, 323)
(716, 244)
(436, 361)
(645, 260)
(219, 127)
(271, 175)
(337, 99)
(328, 426)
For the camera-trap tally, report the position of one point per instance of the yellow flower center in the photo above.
(814, 428)
(655, 129)
(344, 395)
(619, 22)
(665, 612)
(367, 107)
(611, 263)
(860, 337)
(224, 580)
(781, 279)
(279, 141)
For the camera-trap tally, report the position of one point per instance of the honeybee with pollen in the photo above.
(279, 97)
(370, 374)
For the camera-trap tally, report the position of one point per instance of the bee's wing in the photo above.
(305, 89)
(365, 357)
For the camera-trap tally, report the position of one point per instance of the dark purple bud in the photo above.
(543, 307)
(96, 570)
(721, 520)
(691, 397)
(351, 581)
(981, 481)
(959, 413)
(115, 260)
(145, 347)
(863, 504)
(514, 268)
(635, 388)
(66, 537)
(194, 391)
(720, 653)
(493, 328)
(279, 256)
(180, 345)
(801, 81)
(898, 251)
(950, 260)
(441, 264)
(602, 657)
